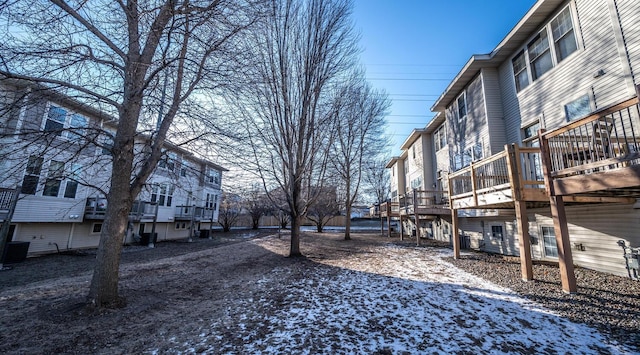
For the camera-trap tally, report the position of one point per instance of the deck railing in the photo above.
(425, 199)
(193, 212)
(96, 208)
(604, 140)
(494, 173)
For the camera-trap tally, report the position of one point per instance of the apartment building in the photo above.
(569, 68)
(56, 150)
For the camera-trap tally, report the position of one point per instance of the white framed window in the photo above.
(519, 63)
(440, 138)
(470, 154)
(181, 225)
(72, 181)
(162, 194)
(549, 240)
(461, 109)
(31, 177)
(416, 183)
(555, 42)
(563, 35)
(578, 108)
(61, 122)
(96, 228)
(212, 176)
(107, 139)
(55, 174)
(497, 232)
(210, 201)
(540, 60)
(168, 161)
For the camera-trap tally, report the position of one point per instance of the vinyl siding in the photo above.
(597, 228)
(43, 237)
(496, 139)
(571, 78)
(48, 209)
(629, 12)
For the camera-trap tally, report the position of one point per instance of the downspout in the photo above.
(623, 49)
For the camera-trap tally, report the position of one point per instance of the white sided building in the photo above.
(56, 150)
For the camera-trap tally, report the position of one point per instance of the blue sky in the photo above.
(413, 48)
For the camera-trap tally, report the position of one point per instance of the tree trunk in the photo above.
(295, 236)
(103, 291)
(347, 224)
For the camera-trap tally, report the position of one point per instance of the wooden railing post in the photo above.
(515, 179)
(565, 258)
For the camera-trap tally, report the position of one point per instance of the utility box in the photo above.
(15, 252)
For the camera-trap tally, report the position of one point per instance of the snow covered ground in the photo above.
(388, 300)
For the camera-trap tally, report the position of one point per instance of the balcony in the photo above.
(193, 213)
(498, 181)
(96, 208)
(424, 202)
(598, 155)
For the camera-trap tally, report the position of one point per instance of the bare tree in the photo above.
(360, 112)
(303, 48)
(230, 210)
(257, 204)
(376, 180)
(324, 208)
(142, 62)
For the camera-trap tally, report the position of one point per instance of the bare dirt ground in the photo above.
(239, 294)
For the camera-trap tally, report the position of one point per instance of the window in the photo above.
(213, 176)
(181, 225)
(563, 35)
(440, 138)
(58, 120)
(471, 154)
(210, 201)
(162, 194)
(54, 179)
(168, 161)
(549, 239)
(496, 232)
(462, 107)
(416, 183)
(96, 228)
(32, 175)
(107, 142)
(72, 183)
(539, 56)
(578, 108)
(55, 120)
(520, 71)
(77, 124)
(530, 132)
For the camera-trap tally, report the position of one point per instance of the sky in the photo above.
(412, 49)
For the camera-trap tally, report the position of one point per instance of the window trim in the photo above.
(492, 234)
(67, 126)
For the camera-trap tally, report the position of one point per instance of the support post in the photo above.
(515, 179)
(389, 218)
(415, 214)
(565, 258)
(456, 233)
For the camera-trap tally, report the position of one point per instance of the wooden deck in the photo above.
(417, 205)
(593, 157)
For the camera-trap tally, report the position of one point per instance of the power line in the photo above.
(409, 79)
